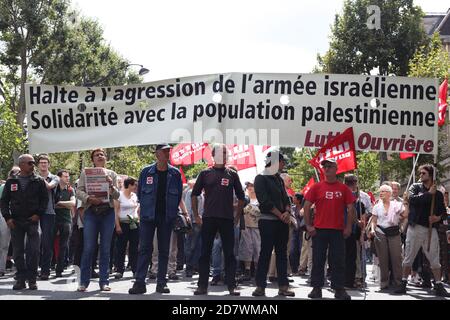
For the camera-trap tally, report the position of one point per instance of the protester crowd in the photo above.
(215, 226)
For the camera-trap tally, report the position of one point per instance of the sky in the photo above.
(177, 38)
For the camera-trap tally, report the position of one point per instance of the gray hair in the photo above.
(24, 157)
(385, 187)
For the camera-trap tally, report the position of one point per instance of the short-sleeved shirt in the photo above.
(63, 215)
(331, 199)
(390, 218)
(219, 184)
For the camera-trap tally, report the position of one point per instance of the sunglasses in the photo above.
(31, 163)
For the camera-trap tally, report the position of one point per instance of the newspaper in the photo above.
(96, 183)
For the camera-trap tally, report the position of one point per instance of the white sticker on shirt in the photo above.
(333, 195)
(225, 182)
(14, 187)
(149, 180)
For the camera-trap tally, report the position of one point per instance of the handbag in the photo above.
(182, 225)
(390, 231)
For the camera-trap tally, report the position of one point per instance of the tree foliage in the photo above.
(357, 49)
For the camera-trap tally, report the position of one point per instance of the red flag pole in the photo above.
(315, 169)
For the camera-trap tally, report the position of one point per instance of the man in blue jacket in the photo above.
(159, 194)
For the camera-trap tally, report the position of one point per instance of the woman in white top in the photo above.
(386, 217)
(127, 226)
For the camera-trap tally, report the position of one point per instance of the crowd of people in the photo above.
(261, 229)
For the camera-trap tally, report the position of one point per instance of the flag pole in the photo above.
(433, 201)
(416, 158)
(315, 170)
(363, 251)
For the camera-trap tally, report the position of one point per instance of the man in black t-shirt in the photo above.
(419, 220)
(219, 184)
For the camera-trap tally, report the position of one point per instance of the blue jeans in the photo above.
(192, 247)
(47, 223)
(333, 240)
(93, 225)
(146, 234)
(216, 260)
(274, 233)
(296, 249)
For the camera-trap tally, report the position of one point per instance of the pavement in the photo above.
(182, 290)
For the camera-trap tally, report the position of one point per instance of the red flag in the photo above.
(341, 148)
(442, 102)
(239, 156)
(406, 155)
(308, 186)
(183, 177)
(187, 153)
(372, 197)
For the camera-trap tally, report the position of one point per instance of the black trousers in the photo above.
(350, 261)
(210, 227)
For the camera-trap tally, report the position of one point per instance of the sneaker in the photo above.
(118, 275)
(162, 289)
(81, 288)
(138, 288)
(32, 285)
(245, 277)
(316, 293)
(173, 276)
(200, 291)
(341, 294)
(259, 292)
(402, 288)
(44, 276)
(440, 291)
(19, 285)
(233, 292)
(284, 291)
(180, 267)
(215, 280)
(105, 287)
(151, 276)
(94, 275)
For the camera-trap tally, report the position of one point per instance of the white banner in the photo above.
(394, 114)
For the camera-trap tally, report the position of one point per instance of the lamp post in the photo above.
(142, 71)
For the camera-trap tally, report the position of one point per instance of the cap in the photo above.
(270, 154)
(162, 146)
(249, 182)
(330, 160)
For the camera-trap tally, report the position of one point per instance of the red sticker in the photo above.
(225, 182)
(149, 180)
(14, 187)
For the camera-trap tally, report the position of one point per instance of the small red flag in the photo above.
(308, 186)
(442, 102)
(406, 155)
(341, 148)
(183, 177)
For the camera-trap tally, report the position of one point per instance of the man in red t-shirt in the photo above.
(330, 197)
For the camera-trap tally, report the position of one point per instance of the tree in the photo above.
(429, 61)
(357, 47)
(10, 133)
(299, 169)
(47, 42)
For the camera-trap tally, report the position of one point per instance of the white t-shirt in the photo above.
(128, 207)
(390, 218)
(252, 214)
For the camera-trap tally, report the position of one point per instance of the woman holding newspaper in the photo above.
(97, 188)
